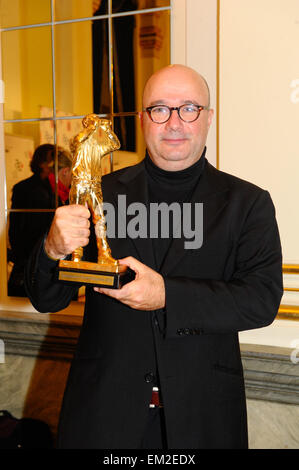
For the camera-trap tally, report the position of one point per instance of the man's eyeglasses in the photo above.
(187, 112)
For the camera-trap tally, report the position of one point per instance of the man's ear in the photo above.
(210, 116)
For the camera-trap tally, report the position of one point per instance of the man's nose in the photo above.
(174, 121)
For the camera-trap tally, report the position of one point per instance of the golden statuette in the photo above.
(88, 147)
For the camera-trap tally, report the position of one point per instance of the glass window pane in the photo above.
(20, 140)
(24, 12)
(130, 5)
(128, 130)
(27, 72)
(124, 64)
(81, 68)
(128, 155)
(66, 129)
(26, 190)
(61, 169)
(141, 45)
(73, 9)
(100, 64)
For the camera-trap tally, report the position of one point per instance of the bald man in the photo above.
(158, 363)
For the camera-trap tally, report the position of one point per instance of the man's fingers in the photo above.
(76, 210)
(76, 232)
(74, 240)
(76, 214)
(132, 263)
(110, 292)
(81, 221)
(145, 292)
(69, 230)
(74, 220)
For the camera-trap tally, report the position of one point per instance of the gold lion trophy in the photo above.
(88, 147)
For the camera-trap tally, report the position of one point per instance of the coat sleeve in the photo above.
(44, 292)
(249, 299)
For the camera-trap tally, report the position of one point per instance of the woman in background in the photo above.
(36, 193)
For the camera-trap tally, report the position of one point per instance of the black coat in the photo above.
(26, 228)
(232, 283)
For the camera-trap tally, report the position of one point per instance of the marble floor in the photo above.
(272, 425)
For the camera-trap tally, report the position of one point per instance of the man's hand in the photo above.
(69, 230)
(146, 292)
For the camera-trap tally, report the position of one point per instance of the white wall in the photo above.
(259, 108)
(259, 62)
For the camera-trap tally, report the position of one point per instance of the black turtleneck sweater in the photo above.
(170, 186)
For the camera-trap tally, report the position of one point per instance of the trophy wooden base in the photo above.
(93, 274)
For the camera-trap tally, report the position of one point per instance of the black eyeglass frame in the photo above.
(199, 107)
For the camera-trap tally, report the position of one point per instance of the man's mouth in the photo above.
(174, 140)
